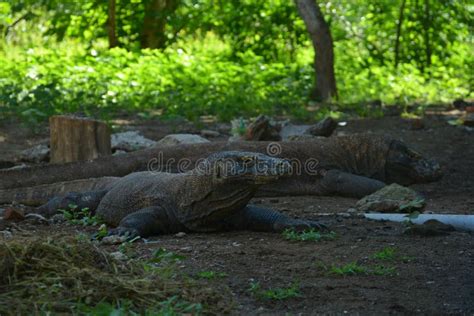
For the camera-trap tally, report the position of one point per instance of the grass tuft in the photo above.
(308, 235)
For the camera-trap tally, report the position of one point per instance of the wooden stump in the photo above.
(75, 138)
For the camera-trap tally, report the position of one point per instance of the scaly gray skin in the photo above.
(354, 166)
(211, 197)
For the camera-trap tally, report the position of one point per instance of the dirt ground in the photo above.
(430, 275)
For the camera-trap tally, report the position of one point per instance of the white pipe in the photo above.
(459, 222)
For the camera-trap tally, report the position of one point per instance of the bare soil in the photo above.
(430, 275)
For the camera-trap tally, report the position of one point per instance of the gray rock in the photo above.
(210, 133)
(57, 219)
(393, 198)
(113, 240)
(180, 234)
(130, 141)
(176, 139)
(37, 153)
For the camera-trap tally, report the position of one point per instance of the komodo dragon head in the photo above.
(224, 183)
(230, 167)
(406, 166)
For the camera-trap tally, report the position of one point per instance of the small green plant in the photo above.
(162, 255)
(387, 254)
(82, 217)
(209, 275)
(276, 293)
(308, 235)
(126, 247)
(384, 270)
(102, 231)
(349, 269)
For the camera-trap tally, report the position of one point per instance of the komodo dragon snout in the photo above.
(406, 166)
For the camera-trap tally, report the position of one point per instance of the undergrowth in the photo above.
(67, 275)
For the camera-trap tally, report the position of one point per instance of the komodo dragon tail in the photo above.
(40, 194)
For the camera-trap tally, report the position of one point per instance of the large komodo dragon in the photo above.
(355, 166)
(213, 196)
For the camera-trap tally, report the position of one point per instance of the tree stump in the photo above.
(74, 138)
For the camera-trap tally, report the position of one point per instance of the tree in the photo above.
(318, 29)
(111, 26)
(154, 23)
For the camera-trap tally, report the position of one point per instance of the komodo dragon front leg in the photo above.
(261, 219)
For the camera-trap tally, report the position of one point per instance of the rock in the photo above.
(119, 152)
(113, 240)
(35, 154)
(180, 234)
(392, 198)
(209, 133)
(176, 139)
(323, 128)
(117, 255)
(431, 227)
(290, 131)
(6, 234)
(57, 219)
(130, 141)
(13, 214)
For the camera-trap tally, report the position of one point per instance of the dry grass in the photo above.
(68, 275)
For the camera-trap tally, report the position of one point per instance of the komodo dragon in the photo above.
(354, 166)
(211, 197)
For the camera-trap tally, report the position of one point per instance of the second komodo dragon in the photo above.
(211, 197)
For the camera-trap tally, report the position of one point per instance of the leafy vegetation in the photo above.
(308, 235)
(348, 269)
(228, 58)
(162, 255)
(82, 216)
(387, 254)
(275, 293)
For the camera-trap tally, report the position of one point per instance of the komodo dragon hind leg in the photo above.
(347, 184)
(148, 221)
(83, 200)
(266, 220)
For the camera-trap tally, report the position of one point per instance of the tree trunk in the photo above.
(426, 31)
(318, 29)
(78, 139)
(111, 25)
(154, 24)
(399, 32)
